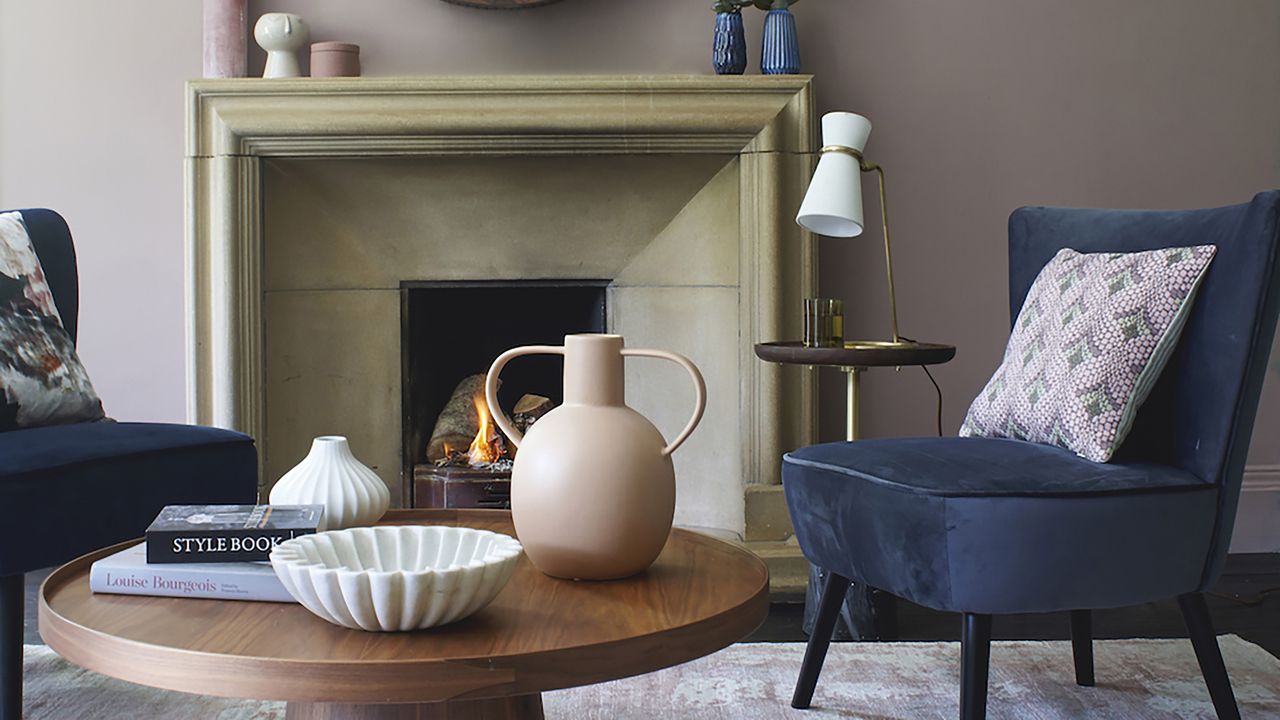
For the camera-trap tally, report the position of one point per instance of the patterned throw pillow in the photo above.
(41, 380)
(1092, 337)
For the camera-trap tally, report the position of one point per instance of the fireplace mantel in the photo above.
(522, 115)
(760, 129)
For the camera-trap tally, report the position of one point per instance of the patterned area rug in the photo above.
(1138, 680)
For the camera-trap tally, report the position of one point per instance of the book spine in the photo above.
(216, 546)
(168, 582)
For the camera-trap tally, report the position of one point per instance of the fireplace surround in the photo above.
(310, 202)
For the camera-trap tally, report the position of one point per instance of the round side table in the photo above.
(871, 614)
(853, 358)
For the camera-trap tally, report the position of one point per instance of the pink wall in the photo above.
(91, 125)
(979, 106)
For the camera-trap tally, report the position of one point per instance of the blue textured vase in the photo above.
(729, 46)
(781, 53)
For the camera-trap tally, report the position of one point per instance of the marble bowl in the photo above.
(391, 578)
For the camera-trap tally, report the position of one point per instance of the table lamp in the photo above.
(833, 204)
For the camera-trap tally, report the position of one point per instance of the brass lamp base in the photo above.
(880, 344)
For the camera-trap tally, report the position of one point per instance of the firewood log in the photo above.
(458, 423)
(528, 409)
(533, 405)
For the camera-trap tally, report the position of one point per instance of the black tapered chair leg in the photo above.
(820, 639)
(1082, 646)
(975, 659)
(11, 589)
(1200, 627)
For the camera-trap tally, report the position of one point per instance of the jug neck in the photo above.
(593, 373)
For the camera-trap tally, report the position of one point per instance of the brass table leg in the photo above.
(853, 382)
(870, 613)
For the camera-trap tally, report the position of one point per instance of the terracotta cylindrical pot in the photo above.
(593, 490)
(335, 59)
(226, 38)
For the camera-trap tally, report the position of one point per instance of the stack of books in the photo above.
(207, 551)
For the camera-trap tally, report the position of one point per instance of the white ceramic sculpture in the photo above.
(392, 578)
(282, 35)
(352, 494)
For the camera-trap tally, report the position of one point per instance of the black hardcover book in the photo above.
(226, 533)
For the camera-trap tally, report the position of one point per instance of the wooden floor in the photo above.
(1245, 601)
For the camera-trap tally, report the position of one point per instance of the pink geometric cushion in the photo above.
(1091, 339)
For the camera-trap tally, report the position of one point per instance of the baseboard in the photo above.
(1258, 518)
(788, 570)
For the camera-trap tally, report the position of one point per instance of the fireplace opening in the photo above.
(450, 333)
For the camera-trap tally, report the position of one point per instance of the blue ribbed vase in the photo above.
(781, 52)
(729, 46)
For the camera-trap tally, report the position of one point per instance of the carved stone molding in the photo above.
(234, 125)
(499, 115)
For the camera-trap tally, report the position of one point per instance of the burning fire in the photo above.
(487, 446)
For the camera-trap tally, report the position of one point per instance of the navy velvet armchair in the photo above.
(69, 489)
(992, 526)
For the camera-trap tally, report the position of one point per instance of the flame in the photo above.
(484, 449)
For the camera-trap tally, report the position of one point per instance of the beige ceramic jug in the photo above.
(593, 490)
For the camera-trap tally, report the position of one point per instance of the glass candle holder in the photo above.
(823, 322)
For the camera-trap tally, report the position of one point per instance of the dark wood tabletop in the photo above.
(887, 355)
(539, 634)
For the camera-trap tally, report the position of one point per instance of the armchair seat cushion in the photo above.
(999, 526)
(68, 489)
(985, 466)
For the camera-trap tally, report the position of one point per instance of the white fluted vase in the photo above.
(352, 494)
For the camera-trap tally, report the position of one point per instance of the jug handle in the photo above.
(699, 388)
(491, 386)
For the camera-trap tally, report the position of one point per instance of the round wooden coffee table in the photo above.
(538, 634)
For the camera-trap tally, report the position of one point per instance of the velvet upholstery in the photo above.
(1004, 526)
(69, 489)
(967, 524)
(1199, 417)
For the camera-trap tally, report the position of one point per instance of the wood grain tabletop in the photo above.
(539, 634)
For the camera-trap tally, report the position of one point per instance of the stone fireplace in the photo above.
(356, 245)
(450, 333)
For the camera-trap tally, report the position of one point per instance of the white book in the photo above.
(127, 573)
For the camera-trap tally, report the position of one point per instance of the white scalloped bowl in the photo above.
(392, 578)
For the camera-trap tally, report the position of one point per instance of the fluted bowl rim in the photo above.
(293, 551)
(339, 585)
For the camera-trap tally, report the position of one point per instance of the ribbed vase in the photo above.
(729, 45)
(781, 51)
(352, 494)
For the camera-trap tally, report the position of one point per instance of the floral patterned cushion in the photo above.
(41, 379)
(1092, 337)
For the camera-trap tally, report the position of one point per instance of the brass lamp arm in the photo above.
(866, 166)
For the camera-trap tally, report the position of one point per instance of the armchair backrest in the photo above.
(52, 239)
(1199, 417)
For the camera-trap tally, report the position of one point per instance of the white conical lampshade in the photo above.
(833, 204)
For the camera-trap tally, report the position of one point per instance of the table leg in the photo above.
(515, 707)
(868, 614)
(852, 404)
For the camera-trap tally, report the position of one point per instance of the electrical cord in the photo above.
(937, 388)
